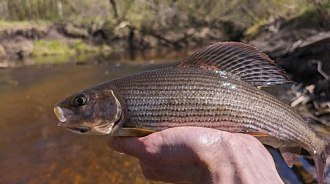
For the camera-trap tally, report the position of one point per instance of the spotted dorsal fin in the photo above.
(240, 60)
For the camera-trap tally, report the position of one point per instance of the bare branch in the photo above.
(114, 7)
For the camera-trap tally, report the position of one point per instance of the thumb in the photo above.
(129, 145)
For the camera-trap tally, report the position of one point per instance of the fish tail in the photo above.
(320, 162)
(319, 165)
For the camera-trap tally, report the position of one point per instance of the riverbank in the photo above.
(35, 39)
(41, 40)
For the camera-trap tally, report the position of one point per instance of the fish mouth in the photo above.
(59, 114)
(78, 130)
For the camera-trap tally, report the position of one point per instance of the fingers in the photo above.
(129, 145)
(181, 154)
(168, 145)
(164, 147)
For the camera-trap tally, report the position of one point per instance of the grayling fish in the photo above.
(215, 87)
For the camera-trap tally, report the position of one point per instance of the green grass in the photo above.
(51, 47)
(57, 51)
(57, 59)
(82, 48)
(62, 47)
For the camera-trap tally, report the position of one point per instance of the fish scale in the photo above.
(145, 102)
(150, 96)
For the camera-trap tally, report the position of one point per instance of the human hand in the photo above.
(200, 155)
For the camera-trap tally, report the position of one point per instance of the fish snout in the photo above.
(62, 115)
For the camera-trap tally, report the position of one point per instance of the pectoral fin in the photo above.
(133, 132)
(290, 155)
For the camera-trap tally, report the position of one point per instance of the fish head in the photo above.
(91, 111)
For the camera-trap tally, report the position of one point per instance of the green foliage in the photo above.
(33, 9)
(66, 48)
(53, 10)
(142, 13)
(51, 47)
(82, 48)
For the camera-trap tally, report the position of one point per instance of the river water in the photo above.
(34, 150)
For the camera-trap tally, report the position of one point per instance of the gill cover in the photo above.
(108, 110)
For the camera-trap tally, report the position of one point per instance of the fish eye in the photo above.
(80, 100)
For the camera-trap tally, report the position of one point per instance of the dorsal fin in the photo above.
(239, 59)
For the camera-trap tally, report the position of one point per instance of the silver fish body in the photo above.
(174, 97)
